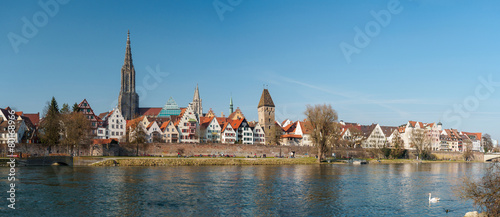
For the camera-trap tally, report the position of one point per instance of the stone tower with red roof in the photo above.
(266, 115)
(128, 100)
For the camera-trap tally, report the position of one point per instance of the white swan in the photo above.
(433, 200)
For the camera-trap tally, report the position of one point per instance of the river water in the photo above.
(293, 190)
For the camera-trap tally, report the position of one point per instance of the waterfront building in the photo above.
(187, 125)
(375, 136)
(128, 100)
(21, 128)
(475, 138)
(153, 132)
(170, 133)
(228, 134)
(266, 111)
(170, 108)
(113, 127)
(88, 112)
(237, 114)
(258, 133)
(210, 113)
(210, 130)
(451, 140)
(244, 133)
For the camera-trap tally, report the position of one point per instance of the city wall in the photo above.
(171, 149)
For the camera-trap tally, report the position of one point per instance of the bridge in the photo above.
(491, 156)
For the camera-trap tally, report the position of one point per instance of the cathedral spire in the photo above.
(196, 93)
(197, 107)
(128, 100)
(128, 53)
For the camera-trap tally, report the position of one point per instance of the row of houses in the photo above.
(433, 136)
(26, 126)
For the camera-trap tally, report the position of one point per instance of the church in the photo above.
(128, 99)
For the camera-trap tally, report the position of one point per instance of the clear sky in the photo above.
(431, 61)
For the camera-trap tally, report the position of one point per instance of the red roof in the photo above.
(149, 111)
(236, 123)
(306, 127)
(291, 136)
(34, 118)
(164, 125)
(180, 116)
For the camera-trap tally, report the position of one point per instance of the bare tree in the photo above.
(397, 146)
(137, 135)
(468, 155)
(356, 137)
(485, 192)
(487, 143)
(324, 129)
(76, 130)
(421, 142)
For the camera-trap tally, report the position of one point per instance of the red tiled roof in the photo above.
(164, 125)
(291, 136)
(151, 111)
(290, 128)
(34, 118)
(477, 135)
(306, 127)
(388, 130)
(150, 125)
(180, 116)
(134, 121)
(236, 123)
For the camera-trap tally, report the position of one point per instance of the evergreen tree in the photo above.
(65, 109)
(76, 108)
(50, 126)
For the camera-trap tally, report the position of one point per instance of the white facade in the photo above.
(152, 131)
(376, 138)
(188, 126)
(306, 137)
(117, 125)
(258, 135)
(245, 133)
(212, 131)
(228, 134)
(170, 133)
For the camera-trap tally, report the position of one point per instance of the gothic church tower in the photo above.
(266, 115)
(197, 107)
(128, 101)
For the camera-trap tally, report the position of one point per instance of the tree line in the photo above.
(64, 127)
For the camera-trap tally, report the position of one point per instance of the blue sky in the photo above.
(428, 59)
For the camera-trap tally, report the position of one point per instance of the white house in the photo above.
(375, 137)
(304, 129)
(187, 125)
(153, 132)
(258, 134)
(116, 125)
(170, 133)
(228, 135)
(210, 129)
(243, 131)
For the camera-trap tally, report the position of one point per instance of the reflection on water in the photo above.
(303, 190)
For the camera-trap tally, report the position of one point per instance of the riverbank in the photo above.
(202, 161)
(400, 161)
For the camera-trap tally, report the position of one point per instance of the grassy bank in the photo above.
(396, 161)
(203, 161)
